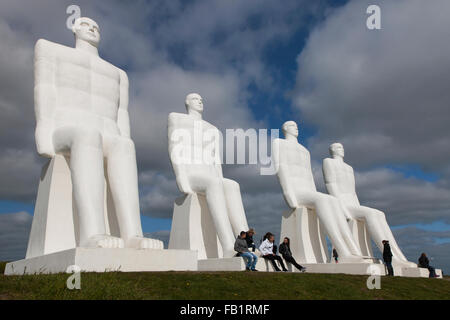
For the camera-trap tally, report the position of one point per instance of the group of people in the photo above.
(245, 242)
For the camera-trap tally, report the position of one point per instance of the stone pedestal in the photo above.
(193, 227)
(302, 227)
(55, 220)
(361, 236)
(106, 260)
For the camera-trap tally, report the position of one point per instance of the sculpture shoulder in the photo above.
(47, 48)
(175, 117)
(328, 162)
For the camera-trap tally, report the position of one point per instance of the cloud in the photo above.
(14, 231)
(413, 241)
(383, 94)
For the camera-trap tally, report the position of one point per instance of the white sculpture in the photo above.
(81, 104)
(340, 182)
(195, 157)
(293, 164)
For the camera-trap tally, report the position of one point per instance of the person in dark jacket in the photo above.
(335, 255)
(240, 246)
(285, 251)
(425, 263)
(249, 238)
(387, 257)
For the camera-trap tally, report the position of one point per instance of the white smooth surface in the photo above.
(293, 164)
(189, 136)
(81, 105)
(340, 183)
(106, 260)
(190, 212)
(308, 244)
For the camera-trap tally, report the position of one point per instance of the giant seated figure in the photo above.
(210, 214)
(293, 165)
(81, 105)
(340, 183)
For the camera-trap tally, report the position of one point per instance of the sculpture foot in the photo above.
(103, 241)
(144, 243)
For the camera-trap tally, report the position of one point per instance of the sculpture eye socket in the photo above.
(96, 29)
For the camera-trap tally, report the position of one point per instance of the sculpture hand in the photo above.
(44, 141)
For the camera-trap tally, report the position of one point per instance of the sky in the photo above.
(382, 93)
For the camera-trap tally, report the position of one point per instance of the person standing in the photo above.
(425, 263)
(285, 251)
(335, 255)
(266, 249)
(387, 257)
(240, 246)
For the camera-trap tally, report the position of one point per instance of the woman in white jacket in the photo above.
(266, 249)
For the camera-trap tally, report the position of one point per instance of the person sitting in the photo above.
(425, 263)
(285, 251)
(249, 238)
(266, 249)
(240, 246)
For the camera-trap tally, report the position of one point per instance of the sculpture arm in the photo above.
(282, 173)
(217, 156)
(176, 150)
(329, 177)
(123, 117)
(44, 98)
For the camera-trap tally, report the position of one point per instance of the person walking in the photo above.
(387, 257)
(266, 249)
(285, 251)
(240, 246)
(425, 263)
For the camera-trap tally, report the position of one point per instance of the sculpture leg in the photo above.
(123, 182)
(86, 166)
(343, 225)
(215, 197)
(236, 211)
(379, 230)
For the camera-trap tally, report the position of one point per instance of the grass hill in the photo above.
(219, 285)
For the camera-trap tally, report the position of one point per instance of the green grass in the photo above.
(219, 285)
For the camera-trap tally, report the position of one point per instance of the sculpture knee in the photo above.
(379, 214)
(124, 146)
(214, 185)
(87, 138)
(231, 185)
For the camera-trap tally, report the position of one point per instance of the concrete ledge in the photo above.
(346, 268)
(232, 264)
(418, 272)
(106, 260)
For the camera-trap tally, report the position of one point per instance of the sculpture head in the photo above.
(194, 102)
(290, 128)
(87, 30)
(337, 150)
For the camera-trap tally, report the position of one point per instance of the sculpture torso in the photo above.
(345, 181)
(295, 165)
(86, 88)
(197, 144)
